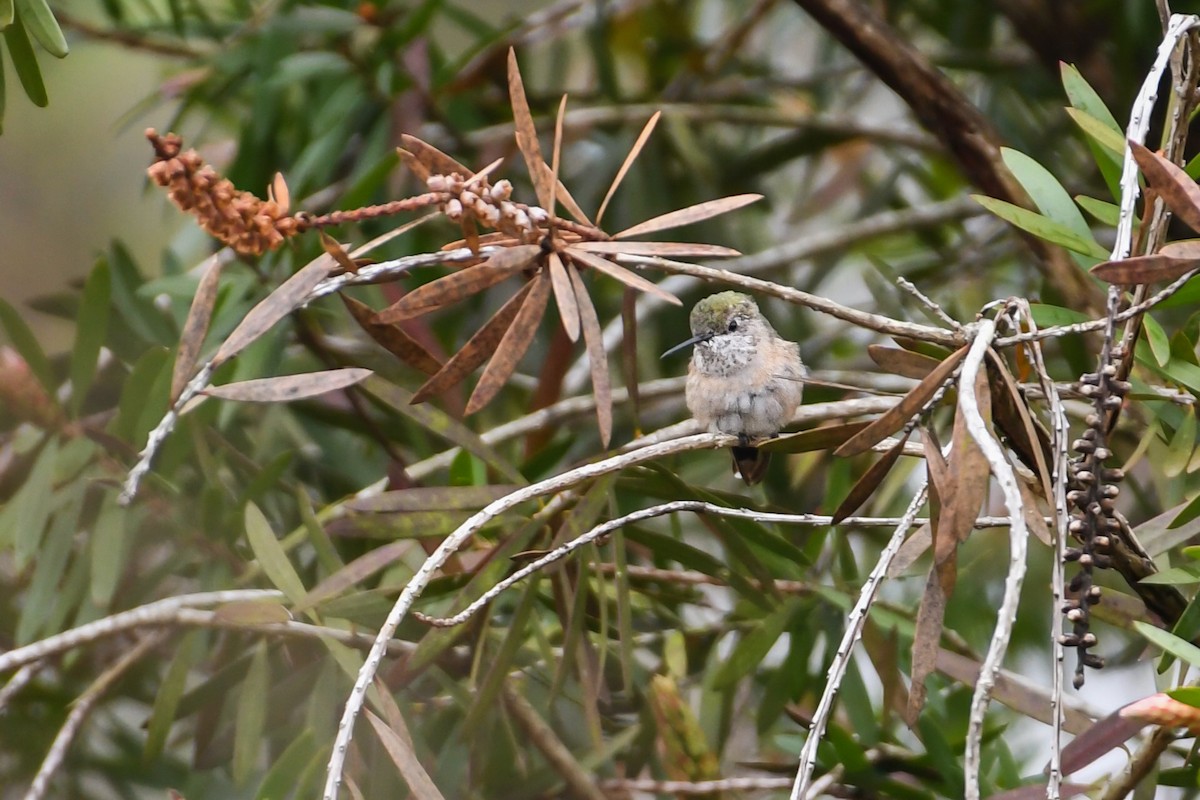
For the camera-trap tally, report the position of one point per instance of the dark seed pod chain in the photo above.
(1092, 495)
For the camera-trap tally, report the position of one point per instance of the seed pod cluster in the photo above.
(1092, 497)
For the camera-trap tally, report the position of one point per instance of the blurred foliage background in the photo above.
(683, 648)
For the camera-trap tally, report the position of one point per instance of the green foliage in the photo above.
(681, 646)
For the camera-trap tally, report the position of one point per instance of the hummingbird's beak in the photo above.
(703, 337)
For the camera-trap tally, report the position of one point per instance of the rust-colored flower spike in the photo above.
(246, 223)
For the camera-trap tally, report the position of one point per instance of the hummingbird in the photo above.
(744, 378)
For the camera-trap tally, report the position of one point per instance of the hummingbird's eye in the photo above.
(733, 325)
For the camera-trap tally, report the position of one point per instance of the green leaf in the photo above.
(7, 11)
(1189, 513)
(1102, 210)
(1085, 98)
(108, 551)
(1043, 227)
(1189, 695)
(40, 21)
(1160, 343)
(90, 333)
(1111, 140)
(20, 51)
(251, 716)
(1179, 451)
(33, 504)
(749, 652)
(44, 599)
(1169, 643)
(1050, 197)
(270, 555)
(138, 386)
(170, 691)
(1174, 576)
(22, 338)
(280, 780)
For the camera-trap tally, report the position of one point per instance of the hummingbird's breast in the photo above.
(746, 387)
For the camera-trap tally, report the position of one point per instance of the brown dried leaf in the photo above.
(564, 296)
(1183, 249)
(252, 612)
(1025, 436)
(289, 296)
(623, 275)
(526, 135)
(1144, 269)
(928, 634)
(965, 493)
(667, 249)
(913, 548)
(1178, 191)
(286, 388)
(902, 362)
(563, 196)
(939, 479)
(689, 215)
(195, 328)
(593, 336)
(1024, 698)
(516, 341)
(384, 238)
(356, 571)
(556, 154)
(393, 338)
(629, 159)
(334, 249)
(400, 748)
(429, 159)
(483, 173)
(868, 483)
(1031, 508)
(459, 285)
(476, 350)
(1112, 731)
(895, 418)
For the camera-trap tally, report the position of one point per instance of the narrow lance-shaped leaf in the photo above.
(461, 284)
(90, 334)
(195, 327)
(939, 585)
(689, 215)
(665, 249)
(40, 21)
(526, 135)
(593, 336)
(285, 388)
(902, 362)
(251, 716)
(1027, 439)
(516, 341)
(868, 483)
(629, 353)
(399, 747)
(1100, 133)
(392, 338)
(20, 52)
(1178, 191)
(1042, 226)
(564, 296)
(476, 350)
(1170, 262)
(895, 418)
(623, 275)
(279, 193)
(290, 295)
(271, 556)
(424, 159)
(337, 252)
(634, 151)
(964, 494)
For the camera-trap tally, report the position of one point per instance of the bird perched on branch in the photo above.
(744, 379)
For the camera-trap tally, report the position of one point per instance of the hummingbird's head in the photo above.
(728, 327)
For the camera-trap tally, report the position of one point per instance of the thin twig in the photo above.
(1062, 513)
(18, 682)
(968, 406)
(542, 736)
(606, 529)
(454, 541)
(1142, 764)
(841, 660)
(80, 710)
(623, 786)
(934, 308)
(149, 614)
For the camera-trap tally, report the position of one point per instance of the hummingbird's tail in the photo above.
(750, 463)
